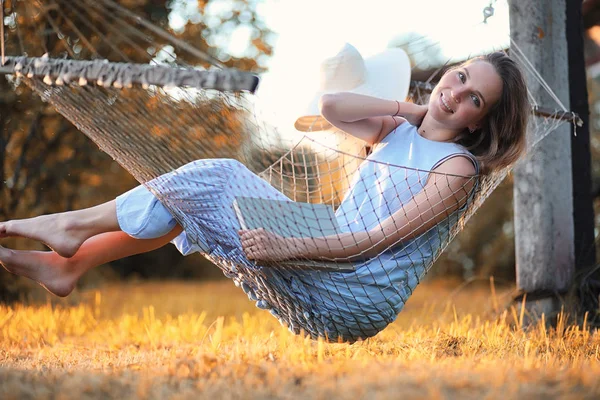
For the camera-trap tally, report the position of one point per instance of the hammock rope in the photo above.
(178, 121)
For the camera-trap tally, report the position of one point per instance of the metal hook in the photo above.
(487, 13)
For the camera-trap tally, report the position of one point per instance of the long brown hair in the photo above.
(501, 140)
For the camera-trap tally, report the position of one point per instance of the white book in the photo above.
(291, 219)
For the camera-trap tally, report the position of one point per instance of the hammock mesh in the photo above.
(153, 124)
(171, 128)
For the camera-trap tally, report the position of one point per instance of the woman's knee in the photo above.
(142, 216)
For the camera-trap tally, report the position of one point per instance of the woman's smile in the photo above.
(444, 104)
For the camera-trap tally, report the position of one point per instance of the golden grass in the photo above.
(177, 340)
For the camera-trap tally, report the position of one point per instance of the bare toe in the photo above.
(5, 256)
(3, 230)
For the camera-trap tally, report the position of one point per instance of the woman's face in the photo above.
(464, 95)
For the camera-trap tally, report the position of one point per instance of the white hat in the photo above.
(385, 75)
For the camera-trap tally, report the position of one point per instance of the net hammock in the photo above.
(202, 123)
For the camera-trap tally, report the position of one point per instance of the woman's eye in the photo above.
(476, 100)
(462, 77)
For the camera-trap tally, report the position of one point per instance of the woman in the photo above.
(474, 123)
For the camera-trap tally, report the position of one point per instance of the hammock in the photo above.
(153, 119)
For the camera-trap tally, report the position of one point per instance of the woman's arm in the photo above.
(365, 117)
(442, 195)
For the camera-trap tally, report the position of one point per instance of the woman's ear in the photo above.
(475, 126)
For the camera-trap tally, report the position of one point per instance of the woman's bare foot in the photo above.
(63, 235)
(65, 232)
(51, 271)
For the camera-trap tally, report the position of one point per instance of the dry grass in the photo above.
(175, 340)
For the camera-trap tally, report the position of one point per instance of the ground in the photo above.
(206, 340)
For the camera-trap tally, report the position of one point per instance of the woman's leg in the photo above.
(65, 232)
(59, 274)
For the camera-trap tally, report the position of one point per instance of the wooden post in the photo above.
(543, 196)
(583, 209)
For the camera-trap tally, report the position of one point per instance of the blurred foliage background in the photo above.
(48, 166)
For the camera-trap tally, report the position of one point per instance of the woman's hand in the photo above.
(260, 244)
(415, 114)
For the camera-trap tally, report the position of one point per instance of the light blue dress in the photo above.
(347, 305)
